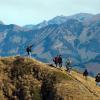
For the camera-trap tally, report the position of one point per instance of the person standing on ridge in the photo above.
(60, 61)
(55, 60)
(29, 50)
(68, 65)
(97, 79)
(85, 74)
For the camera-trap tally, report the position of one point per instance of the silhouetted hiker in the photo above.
(56, 60)
(97, 79)
(29, 50)
(68, 65)
(60, 61)
(85, 73)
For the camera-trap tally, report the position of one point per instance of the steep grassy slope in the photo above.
(28, 79)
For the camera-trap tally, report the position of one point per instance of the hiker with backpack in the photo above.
(85, 74)
(97, 79)
(55, 60)
(29, 50)
(68, 65)
(60, 61)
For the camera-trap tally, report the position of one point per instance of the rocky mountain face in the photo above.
(28, 79)
(77, 37)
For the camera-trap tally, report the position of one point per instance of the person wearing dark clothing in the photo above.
(56, 60)
(85, 73)
(97, 79)
(29, 50)
(60, 61)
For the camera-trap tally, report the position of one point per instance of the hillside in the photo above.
(28, 79)
(77, 36)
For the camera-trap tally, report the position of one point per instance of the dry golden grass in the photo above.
(26, 79)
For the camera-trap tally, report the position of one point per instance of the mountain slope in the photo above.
(77, 37)
(28, 79)
(89, 83)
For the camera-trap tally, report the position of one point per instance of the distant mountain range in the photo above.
(60, 19)
(76, 36)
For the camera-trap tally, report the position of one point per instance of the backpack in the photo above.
(60, 60)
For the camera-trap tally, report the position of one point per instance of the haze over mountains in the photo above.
(77, 36)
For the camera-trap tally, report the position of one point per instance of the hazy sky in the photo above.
(23, 12)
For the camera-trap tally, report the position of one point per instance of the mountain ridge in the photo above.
(73, 38)
(62, 19)
(23, 78)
